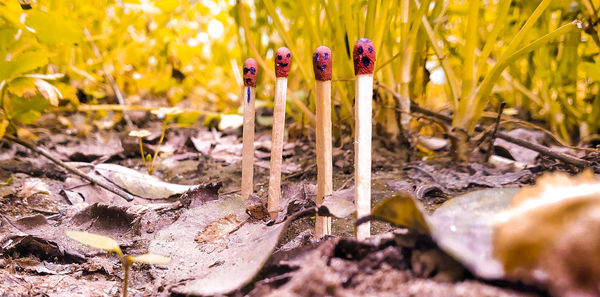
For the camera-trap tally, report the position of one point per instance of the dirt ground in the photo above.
(43, 199)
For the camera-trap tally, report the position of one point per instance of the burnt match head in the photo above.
(364, 56)
(322, 63)
(250, 72)
(283, 59)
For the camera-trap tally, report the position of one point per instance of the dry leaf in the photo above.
(548, 236)
(139, 184)
(33, 186)
(195, 271)
(218, 229)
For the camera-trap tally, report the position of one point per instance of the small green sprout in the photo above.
(142, 134)
(110, 245)
(168, 113)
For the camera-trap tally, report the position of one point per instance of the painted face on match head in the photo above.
(364, 56)
(250, 72)
(283, 59)
(322, 63)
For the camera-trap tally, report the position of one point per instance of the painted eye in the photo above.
(246, 70)
(316, 57)
(370, 49)
(279, 57)
(288, 55)
(253, 70)
(360, 50)
(326, 56)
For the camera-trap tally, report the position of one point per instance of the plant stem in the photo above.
(142, 152)
(526, 144)
(477, 104)
(162, 137)
(126, 264)
(448, 72)
(468, 78)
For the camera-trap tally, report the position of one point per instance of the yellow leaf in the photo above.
(24, 133)
(150, 258)
(550, 230)
(49, 91)
(95, 240)
(3, 125)
(401, 210)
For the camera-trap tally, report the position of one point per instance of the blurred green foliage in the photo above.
(446, 55)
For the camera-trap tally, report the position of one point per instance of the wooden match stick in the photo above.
(283, 58)
(322, 67)
(248, 95)
(364, 61)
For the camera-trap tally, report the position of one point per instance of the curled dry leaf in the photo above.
(462, 226)
(548, 235)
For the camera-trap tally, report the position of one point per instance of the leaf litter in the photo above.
(249, 256)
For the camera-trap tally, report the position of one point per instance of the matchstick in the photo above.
(322, 67)
(364, 60)
(248, 95)
(283, 58)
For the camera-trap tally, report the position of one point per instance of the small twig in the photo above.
(526, 144)
(345, 184)
(490, 148)
(47, 154)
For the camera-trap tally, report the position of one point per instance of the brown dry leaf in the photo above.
(33, 186)
(548, 235)
(219, 229)
(198, 272)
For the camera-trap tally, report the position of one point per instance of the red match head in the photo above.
(283, 58)
(364, 56)
(250, 72)
(322, 63)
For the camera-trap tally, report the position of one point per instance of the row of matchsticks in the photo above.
(364, 60)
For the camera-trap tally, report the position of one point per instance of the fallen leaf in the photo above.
(214, 236)
(548, 235)
(341, 203)
(247, 249)
(33, 186)
(462, 226)
(139, 184)
(517, 152)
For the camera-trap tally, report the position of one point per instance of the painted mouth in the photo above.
(248, 80)
(283, 64)
(365, 61)
(322, 67)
